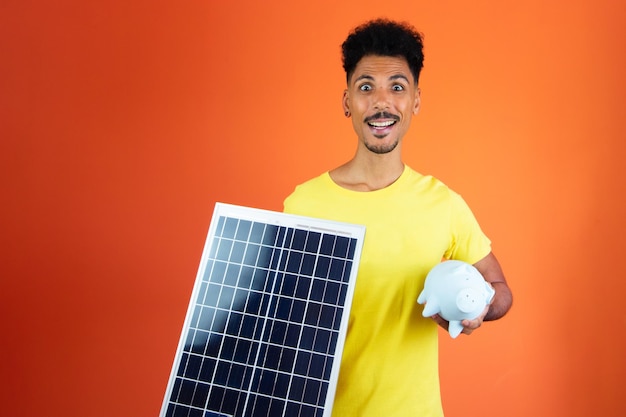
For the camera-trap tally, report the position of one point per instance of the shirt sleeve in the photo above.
(469, 243)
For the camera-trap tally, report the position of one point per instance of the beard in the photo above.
(381, 149)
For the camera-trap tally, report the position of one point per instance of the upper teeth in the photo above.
(382, 124)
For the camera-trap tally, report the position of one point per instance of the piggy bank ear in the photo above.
(431, 308)
(455, 328)
(491, 292)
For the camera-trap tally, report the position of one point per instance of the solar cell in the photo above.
(267, 319)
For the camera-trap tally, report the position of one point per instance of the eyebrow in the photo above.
(393, 77)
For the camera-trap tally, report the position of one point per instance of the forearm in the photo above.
(502, 301)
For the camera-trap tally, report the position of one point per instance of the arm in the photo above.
(490, 269)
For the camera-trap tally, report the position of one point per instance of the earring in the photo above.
(347, 113)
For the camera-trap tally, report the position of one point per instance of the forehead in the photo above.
(377, 66)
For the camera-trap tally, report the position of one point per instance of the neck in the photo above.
(369, 172)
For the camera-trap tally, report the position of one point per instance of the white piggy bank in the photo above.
(456, 291)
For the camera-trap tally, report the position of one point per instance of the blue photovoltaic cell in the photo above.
(266, 323)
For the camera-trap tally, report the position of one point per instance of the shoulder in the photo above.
(427, 184)
(321, 181)
(308, 190)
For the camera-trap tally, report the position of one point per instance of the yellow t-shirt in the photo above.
(390, 361)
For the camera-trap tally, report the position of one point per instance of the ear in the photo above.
(418, 100)
(345, 102)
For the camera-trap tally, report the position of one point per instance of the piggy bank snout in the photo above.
(469, 300)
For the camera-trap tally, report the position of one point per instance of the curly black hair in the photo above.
(385, 38)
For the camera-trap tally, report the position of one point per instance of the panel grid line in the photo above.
(255, 367)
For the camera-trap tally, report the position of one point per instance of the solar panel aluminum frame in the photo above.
(223, 211)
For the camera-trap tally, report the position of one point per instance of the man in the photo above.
(389, 364)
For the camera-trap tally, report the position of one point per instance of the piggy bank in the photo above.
(456, 291)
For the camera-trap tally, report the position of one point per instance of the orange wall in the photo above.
(121, 124)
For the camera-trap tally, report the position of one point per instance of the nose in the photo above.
(381, 99)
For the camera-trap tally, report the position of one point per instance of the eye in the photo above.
(365, 87)
(398, 87)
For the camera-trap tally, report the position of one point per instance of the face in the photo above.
(381, 98)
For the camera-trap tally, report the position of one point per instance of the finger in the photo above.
(472, 324)
(440, 321)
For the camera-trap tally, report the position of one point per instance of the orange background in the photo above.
(122, 123)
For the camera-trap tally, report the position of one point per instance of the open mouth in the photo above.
(381, 125)
(381, 122)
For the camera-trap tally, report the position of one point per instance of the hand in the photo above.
(468, 325)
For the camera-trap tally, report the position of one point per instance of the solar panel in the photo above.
(267, 318)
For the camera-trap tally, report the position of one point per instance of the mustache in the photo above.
(382, 115)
